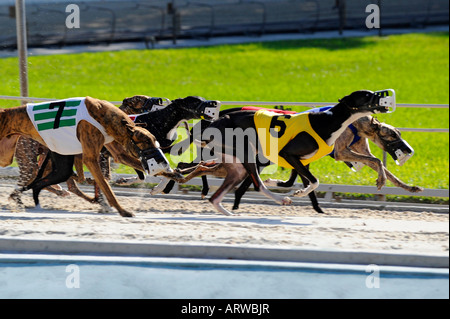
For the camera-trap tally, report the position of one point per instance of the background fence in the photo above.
(329, 189)
(127, 20)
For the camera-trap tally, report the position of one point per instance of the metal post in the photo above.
(171, 9)
(22, 46)
(342, 8)
(380, 30)
(383, 197)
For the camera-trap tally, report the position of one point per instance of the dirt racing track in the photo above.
(184, 226)
(190, 220)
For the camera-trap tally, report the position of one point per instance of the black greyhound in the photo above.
(195, 133)
(327, 127)
(161, 123)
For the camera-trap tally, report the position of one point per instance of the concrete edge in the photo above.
(52, 259)
(211, 251)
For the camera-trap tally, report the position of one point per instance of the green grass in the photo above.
(415, 65)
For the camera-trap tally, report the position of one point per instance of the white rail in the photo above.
(259, 103)
(255, 103)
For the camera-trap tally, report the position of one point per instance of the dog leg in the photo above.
(313, 198)
(61, 171)
(397, 182)
(218, 170)
(92, 141)
(73, 188)
(205, 187)
(94, 168)
(169, 187)
(160, 187)
(279, 183)
(252, 170)
(360, 152)
(26, 153)
(241, 191)
(186, 168)
(235, 174)
(57, 190)
(306, 190)
(291, 153)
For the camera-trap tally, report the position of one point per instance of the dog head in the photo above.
(389, 139)
(365, 101)
(141, 104)
(144, 146)
(198, 107)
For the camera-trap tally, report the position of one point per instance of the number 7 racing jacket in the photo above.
(56, 122)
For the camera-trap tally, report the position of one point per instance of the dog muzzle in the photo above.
(154, 104)
(400, 151)
(158, 103)
(212, 109)
(153, 161)
(387, 99)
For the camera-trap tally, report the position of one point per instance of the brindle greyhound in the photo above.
(30, 154)
(177, 111)
(117, 126)
(326, 125)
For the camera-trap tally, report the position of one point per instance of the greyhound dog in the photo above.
(351, 147)
(299, 147)
(30, 154)
(177, 111)
(86, 125)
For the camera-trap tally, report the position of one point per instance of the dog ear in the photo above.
(128, 126)
(375, 123)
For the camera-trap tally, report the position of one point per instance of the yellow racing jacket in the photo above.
(275, 131)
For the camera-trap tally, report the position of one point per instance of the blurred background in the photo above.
(136, 20)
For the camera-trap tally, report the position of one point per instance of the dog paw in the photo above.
(416, 189)
(286, 201)
(64, 193)
(126, 181)
(156, 190)
(15, 197)
(271, 182)
(126, 214)
(299, 193)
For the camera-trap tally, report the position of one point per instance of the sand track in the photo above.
(195, 221)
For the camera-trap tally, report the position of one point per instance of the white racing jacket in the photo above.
(57, 121)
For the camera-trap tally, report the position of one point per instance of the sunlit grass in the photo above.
(415, 65)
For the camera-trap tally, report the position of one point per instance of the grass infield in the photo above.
(415, 65)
